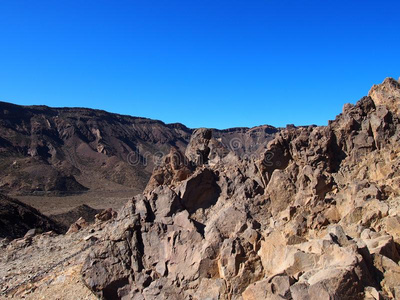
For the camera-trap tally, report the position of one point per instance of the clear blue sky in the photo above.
(200, 62)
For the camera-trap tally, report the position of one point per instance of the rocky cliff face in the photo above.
(55, 150)
(74, 149)
(315, 216)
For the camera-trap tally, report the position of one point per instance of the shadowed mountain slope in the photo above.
(16, 218)
(45, 149)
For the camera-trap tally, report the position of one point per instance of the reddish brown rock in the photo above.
(314, 217)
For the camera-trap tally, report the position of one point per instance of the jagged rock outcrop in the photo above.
(315, 217)
(68, 218)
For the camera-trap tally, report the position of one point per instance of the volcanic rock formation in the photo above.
(316, 216)
(58, 150)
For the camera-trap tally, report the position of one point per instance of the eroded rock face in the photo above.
(59, 150)
(314, 217)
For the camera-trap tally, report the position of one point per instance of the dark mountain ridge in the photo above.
(16, 218)
(63, 150)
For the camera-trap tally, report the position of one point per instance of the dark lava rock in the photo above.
(17, 218)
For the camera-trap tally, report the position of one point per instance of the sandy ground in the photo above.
(57, 258)
(51, 205)
(47, 266)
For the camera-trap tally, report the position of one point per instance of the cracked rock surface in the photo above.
(315, 216)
